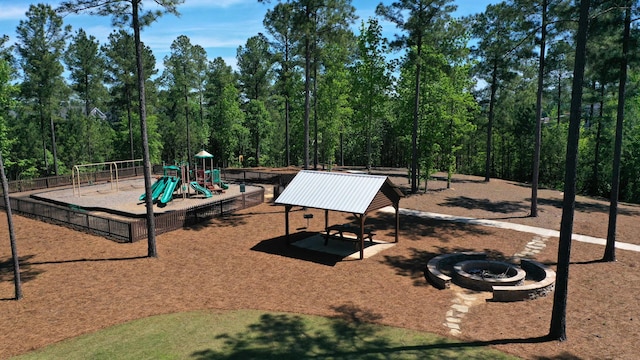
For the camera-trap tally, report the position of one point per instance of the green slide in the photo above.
(167, 195)
(198, 188)
(217, 180)
(156, 189)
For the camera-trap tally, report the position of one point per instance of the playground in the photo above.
(128, 199)
(76, 283)
(112, 195)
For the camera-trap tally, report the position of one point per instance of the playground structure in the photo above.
(76, 175)
(162, 190)
(207, 181)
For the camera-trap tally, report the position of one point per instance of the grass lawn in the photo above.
(250, 334)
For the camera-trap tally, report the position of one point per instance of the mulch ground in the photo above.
(76, 283)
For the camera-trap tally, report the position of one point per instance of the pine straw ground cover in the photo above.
(76, 283)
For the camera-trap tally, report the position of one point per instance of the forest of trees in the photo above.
(322, 88)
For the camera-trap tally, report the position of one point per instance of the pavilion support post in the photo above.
(362, 218)
(287, 209)
(326, 221)
(397, 207)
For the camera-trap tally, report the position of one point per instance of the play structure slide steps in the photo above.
(195, 186)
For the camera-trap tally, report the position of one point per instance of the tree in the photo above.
(559, 312)
(87, 70)
(254, 67)
(538, 135)
(498, 33)
(127, 12)
(225, 117)
(279, 23)
(310, 19)
(258, 124)
(610, 248)
(41, 42)
(371, 84)
(121, 76)
(5, 93)
(422, 16)
(182, 76)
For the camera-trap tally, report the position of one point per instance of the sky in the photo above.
(219, 26)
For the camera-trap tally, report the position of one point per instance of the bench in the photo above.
(340, 230)
(544, 277)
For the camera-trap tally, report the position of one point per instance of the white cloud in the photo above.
(13, 12)
(215, 3)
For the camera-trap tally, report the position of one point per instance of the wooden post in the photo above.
(326, 220)
(362, 217)
(287, 208)
(397, 206)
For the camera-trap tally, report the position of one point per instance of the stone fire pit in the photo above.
(507, 281)
(484, 274)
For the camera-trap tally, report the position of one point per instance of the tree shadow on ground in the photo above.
(589, 207)
(350, 334)
(503, 207)
(230, 219)
(414, 265)
(27, 272)
(84, 260)
(282, 247)
(416, 228)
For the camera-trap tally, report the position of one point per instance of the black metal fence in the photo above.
(66, 180)
(133, 229)
(236, 175)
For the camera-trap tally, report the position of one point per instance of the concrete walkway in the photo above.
(510, 226)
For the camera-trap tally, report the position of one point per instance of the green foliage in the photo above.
(475, 105)
(41, 42)
(182, 80)
(249, 334)
(372, 85)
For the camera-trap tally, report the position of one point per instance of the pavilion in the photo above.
(358, 194)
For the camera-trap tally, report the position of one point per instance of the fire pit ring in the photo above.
(484, 274)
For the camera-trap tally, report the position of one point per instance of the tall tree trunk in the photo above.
(557, 329)
(492, 102)
(538, 140)
(287, 145)
(12, 235)
(307, 105)
(151, 226)
(285, 71)
(54, 148)
(610, 248)
(315, 110)
(186, 116)
(416, 115)
(128, 95)
(595, 184)
(44, 139)
(559, 96)
(87, 112)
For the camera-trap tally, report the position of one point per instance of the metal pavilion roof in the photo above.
(335, 191)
